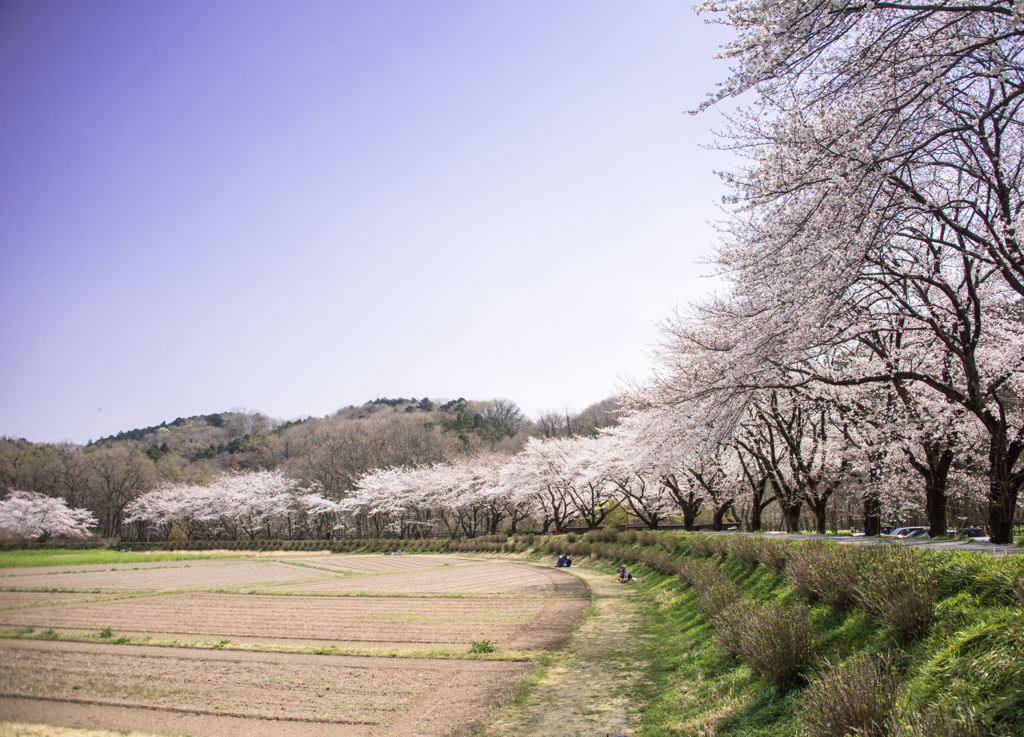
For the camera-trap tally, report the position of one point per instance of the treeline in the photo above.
(330, 452)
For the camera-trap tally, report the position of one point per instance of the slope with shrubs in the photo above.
(763, 636)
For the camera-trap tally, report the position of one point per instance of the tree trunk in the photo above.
(935, 470)
(791, 514)
(821, 517)
(758, 506)
(872, 515)
(1002, 490)
(935, 507)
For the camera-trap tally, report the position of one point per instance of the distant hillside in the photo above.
(221, 438)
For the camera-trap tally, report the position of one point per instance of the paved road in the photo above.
(971, 545)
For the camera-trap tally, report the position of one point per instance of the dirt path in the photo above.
(583, 689)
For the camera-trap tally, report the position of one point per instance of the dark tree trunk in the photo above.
(872, 515)
(716, 521)
(820, 518)
(1003, 489)
(688, 502)
(935, 470)
(791, 514)
(758, 505)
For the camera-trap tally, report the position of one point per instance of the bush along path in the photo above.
(749, 635)
(583, 688)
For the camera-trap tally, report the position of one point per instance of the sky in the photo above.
(297, 206)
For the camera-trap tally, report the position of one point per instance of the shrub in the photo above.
(715, 590)
(700, 545)
(778, 642)
(897, 587)
(628, 555)
(647, 538)
(669, 541)
(732, 625)
(683, 566)
(936, 723)
(855, 697)
(835, 574)
(659, 560)
(773, 554)
(10, 540)
(799, 568)
(719, 544)
(580, 548)
(744, 549)
(571, 537)
(627, 537)
(604, 535)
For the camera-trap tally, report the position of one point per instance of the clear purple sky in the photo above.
(296, 206)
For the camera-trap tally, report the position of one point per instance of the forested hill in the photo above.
(209, 436)
(474, 424)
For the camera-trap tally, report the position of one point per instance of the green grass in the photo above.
(971, 661)
(32, 558)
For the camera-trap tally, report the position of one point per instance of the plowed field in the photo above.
(492, 578)
(216, 680)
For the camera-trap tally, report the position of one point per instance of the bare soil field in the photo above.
(213, 692)
(30, 598)
(498, 578)
(208, 691)
(391, 563)
(349, 622)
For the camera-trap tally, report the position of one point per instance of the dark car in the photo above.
(974, 533)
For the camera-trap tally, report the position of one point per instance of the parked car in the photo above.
(883, 530)
(974, 533)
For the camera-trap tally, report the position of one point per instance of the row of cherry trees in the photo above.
(237, 505)
(659, 464)
(872, 326)
(662, 462)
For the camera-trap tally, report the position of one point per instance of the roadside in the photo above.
(927, 544)
(582, 688)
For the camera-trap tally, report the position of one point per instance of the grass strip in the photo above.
(110, 638)
(40, 558)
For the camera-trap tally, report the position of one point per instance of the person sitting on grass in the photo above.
(568, 562)
(560, 563)
(624, 575)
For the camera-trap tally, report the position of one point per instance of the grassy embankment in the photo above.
(746, 635)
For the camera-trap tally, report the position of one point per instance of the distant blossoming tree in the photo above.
(35, 516)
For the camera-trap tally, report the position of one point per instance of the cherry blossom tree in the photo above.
(241, 502)
(883, 197)
(536, 478)
(36, 516)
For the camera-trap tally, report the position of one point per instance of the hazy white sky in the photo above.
(294, 207)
